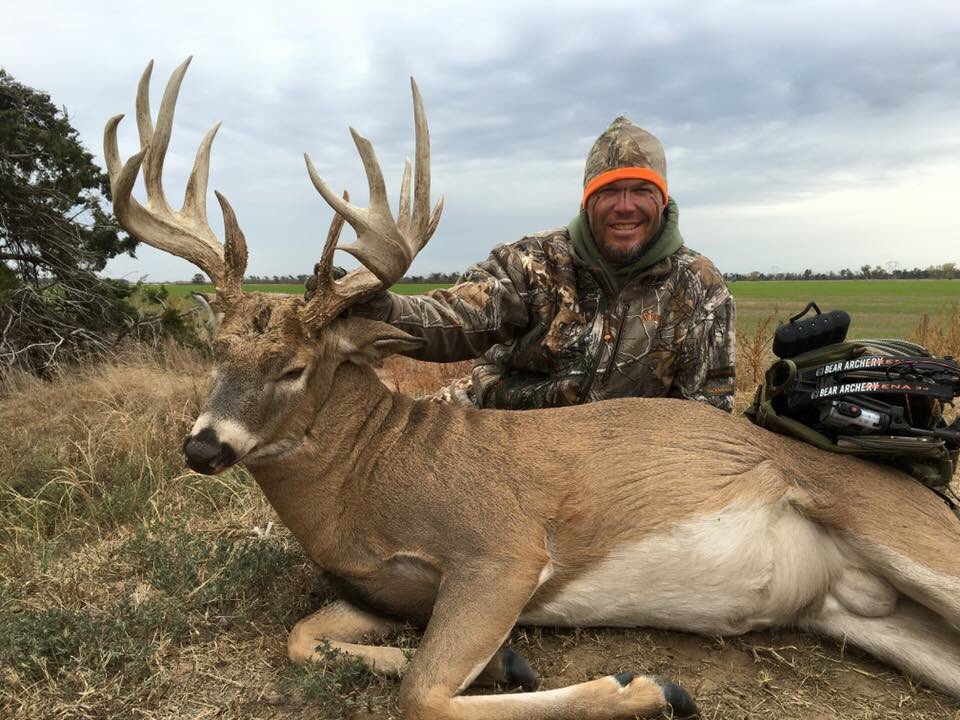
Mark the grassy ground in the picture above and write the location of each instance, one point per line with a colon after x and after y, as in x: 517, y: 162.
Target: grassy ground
x: 132, y: 588
x: 879, y: 308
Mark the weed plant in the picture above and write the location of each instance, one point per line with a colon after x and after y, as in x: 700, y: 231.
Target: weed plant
x: 339, y: 685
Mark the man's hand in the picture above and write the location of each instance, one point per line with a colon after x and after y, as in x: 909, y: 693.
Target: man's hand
x: 311, y: 284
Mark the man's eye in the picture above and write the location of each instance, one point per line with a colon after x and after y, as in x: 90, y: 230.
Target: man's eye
x: 293, y: 374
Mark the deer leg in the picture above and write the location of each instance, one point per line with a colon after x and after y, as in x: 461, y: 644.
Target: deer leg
x: 341, y: 625
x: 474, y: 612
x: 910, y: 637
x: 937, y: 588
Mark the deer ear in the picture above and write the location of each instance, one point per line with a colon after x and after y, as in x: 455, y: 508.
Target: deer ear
x: 210, y: 309
x: 368, y: 342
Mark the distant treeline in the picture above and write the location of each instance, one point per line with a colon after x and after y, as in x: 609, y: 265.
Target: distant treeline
x: 946, y: 271
x: 432, y: 278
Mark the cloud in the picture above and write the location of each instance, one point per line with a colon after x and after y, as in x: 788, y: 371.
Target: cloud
x: 804, y: 121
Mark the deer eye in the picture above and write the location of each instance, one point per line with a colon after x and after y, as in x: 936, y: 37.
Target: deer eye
x: 293, y: 374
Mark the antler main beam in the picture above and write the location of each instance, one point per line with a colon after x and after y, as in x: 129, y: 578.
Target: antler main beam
x: 384, y: 246
x: 184, y: 233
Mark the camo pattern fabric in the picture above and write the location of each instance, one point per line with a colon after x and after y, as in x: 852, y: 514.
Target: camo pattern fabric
x: 624, y: 144
x: 546, y: 335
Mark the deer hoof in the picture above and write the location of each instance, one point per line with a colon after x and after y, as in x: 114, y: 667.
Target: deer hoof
x: 517, y: 671
x: 624, y: 678
x: 679, y: 702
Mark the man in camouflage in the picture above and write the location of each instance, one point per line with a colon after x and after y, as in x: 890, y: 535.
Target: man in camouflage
x: 613, y: 305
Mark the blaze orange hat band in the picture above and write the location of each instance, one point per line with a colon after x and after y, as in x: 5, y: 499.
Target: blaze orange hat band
x: 627, y: 173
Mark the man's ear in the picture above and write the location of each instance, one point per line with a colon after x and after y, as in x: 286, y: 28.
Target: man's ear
x: 211, y: 311
x: 368, y: 342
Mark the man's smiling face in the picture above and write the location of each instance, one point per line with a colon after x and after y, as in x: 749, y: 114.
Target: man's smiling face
x: 624, y: 216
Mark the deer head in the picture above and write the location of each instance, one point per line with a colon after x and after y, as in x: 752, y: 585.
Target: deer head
x: 275, y: 356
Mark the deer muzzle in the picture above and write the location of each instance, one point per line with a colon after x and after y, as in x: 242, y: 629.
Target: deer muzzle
x: 206, y: 454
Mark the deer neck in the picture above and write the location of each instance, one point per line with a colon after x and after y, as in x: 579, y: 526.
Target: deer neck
x: 356, y: 425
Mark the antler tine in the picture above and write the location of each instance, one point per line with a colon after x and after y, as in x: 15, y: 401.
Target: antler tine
x: 185, y: 233
x: 351, y: 213
x: 384, y: 246
x: 234, y: 250
x: 111, y: 151
x: 434, y: 218
x: 144, y: 116
x: 195, y: 196
x: 324, y: 268
x: 425, y: 221
x: 333, y: 235
x: 421, y: 192
x: 159, y: 138
x: 378, y: 189
x: 403, y: 212
x: 122, y: 179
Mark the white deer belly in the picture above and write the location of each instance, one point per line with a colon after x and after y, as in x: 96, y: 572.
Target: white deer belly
x: 726, y: 573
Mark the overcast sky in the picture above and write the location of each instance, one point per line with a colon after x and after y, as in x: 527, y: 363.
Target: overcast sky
x: 803, y: 134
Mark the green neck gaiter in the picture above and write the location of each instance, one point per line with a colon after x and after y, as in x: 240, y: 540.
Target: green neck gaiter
x: 665, y: 243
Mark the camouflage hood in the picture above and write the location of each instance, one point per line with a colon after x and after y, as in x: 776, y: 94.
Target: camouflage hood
x: 665, y: 243
x: 624, y: 151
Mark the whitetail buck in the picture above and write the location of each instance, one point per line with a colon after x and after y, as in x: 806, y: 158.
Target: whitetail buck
x: 640, y: 512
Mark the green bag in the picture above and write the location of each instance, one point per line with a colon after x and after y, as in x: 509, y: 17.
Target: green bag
x: 878, y: 399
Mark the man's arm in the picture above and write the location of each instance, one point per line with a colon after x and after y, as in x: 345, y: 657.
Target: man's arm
x: 707, y: 370
x: 487, y: 306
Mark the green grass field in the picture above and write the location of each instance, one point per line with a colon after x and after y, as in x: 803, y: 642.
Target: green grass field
x: 878, y: 307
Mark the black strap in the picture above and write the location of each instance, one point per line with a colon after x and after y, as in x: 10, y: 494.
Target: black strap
x: 803, y: 312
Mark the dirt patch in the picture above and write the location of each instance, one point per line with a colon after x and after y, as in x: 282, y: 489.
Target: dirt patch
x: 777, y: 674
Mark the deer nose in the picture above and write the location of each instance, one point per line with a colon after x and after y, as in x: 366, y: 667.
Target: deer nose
x: 206, y: 454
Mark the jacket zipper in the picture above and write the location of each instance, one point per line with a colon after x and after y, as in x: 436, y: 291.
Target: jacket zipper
x: 596, y: 362
x: 616, y: 347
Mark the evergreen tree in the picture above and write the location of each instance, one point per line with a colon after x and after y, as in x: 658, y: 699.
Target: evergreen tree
x: 55, y: 234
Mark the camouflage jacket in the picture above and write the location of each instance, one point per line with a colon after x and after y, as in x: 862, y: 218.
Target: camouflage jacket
x: 545, y: 333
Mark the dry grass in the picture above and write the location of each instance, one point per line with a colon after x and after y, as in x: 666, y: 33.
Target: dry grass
x: 418, y: 378
x: 754, y: 356
x: 940, y: 334
x: 131, y: 588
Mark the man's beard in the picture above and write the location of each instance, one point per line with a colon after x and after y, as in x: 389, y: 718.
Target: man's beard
x: 621, y: 256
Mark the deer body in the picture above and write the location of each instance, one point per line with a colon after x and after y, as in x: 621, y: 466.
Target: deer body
x: 655, y: 512
x: 728, y: 529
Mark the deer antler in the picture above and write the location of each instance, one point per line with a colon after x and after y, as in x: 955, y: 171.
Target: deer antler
x: 186, y: 233
x: 384, y: 246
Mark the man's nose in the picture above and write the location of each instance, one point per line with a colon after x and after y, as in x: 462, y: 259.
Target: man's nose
x: 626, y: 201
